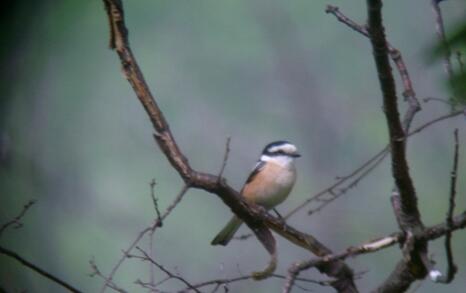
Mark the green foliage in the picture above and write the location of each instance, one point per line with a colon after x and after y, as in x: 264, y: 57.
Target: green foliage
x: 456, y: 43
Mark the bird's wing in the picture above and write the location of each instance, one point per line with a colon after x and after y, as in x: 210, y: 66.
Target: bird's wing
x: 259, y: 166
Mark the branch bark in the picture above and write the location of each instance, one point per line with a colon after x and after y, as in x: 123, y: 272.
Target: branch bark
x: 255, y: 218
x: 413, y: 266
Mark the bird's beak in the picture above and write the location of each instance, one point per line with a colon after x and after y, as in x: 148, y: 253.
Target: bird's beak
x: 296, y: 155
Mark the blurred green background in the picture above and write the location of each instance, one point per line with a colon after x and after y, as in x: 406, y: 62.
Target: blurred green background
x: 75, y: 138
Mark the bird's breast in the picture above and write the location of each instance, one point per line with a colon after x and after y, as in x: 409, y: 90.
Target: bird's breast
x: 271, y: 185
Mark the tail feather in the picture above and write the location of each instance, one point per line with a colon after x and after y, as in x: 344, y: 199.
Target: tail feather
x: 227, y: 233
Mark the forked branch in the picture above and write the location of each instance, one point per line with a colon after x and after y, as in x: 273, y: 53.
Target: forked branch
x: 255, y: 218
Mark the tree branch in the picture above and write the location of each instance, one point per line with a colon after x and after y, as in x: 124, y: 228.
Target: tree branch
x: 37, y: 269
x: 255, y: 218
x: 400, y: 171
x: 397, y: 58
x: 440, y: 30
x: 413, y: 266
x: 17, y: 220
x: 431, y: 233
x: 451, y: 267
x: 150, y: 229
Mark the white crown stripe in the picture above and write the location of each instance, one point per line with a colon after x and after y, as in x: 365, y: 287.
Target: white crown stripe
x: 287, y: 148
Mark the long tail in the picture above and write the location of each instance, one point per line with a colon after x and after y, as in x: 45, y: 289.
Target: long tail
x: 224, y: 236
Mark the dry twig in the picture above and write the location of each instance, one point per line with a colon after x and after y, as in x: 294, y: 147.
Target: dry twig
x: 17, y: 220
x: 255, y: 218
x: 451, y: 267
x: 141, y: 234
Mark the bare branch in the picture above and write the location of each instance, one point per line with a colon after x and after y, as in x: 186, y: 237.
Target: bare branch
x: 225, y: 281
x: 441, y: 118
x: 397, y: 58
x: 38, y: 270
x: 440, y: 30
x: 155, y: 202
x: 414, y: 107
x: 408, y: 216
x: 159, y: 223
x: 256, y: 219
x: 341, y: 191
x: 141, y: 234
x: 440, y: 100
x: 225, y: 158
x: 17, y: 220
x: 451, y: 267
x: 371, y: 163
x: 108, y: 282
x: 146, y: 257
x: 431, y: 233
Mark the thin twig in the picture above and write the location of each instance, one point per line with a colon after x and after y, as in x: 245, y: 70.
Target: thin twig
x: 440, y: 30
x: 151, y: 234
x: 225, y: 158
x: 395, y: 54
x: 409, y: 94
x: 110, y: 283
x: 17, y: 220
x: 430, y: 233
x: 376, y: 159
x: 146, y: 257
x: 256, y: 219
x: 451, y: 266
x: 225, y: 281
x: 340, y: 181
x: 141, y: 234
x: 438, y: 119
x: 352, y: 184
x: 37, y: 269
x: 155, y: 202
x: 429, y: 99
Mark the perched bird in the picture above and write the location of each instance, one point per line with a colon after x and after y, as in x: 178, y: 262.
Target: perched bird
x: 268, y: 185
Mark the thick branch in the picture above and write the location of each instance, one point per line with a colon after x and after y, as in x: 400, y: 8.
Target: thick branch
x: 400, y: 171
x: 430, y: 233
x: 412, y: 266
x: 440, y: 30
x: 256, y: 219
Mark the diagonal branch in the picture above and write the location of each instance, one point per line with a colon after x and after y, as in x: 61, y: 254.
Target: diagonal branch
x: 255, y: 218
x: 146, y: 257
x: 430, y: 233
x: 17, y: 220
x: 397, y: 58
x: 413, y: 107
x: 151, y: 229
x: 37, y: 269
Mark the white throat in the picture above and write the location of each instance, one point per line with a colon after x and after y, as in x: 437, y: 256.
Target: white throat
x: 281, y: 160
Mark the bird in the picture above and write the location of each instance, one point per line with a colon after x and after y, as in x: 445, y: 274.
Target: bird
x: 268, y: 185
